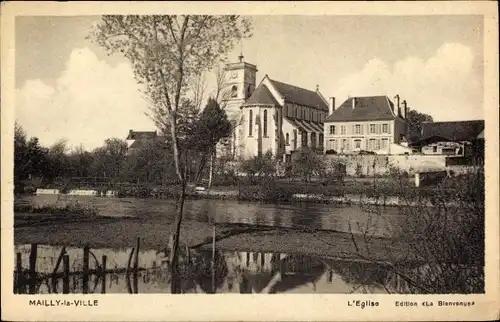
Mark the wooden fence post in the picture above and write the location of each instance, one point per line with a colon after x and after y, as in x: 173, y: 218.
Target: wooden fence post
x: 19, y: 274
x: 136, y: 267
x: 59, y: 259
x: 33, y: 255
x: 66, y: 274
x: 103, y: 271
x: 85, y: 277
x: 127, y: 273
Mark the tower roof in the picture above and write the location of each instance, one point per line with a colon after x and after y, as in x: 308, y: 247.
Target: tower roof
x: 262, y: 95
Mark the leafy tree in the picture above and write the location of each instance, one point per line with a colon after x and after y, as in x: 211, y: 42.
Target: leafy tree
x: 30, y: 158
x: 307, y: 163
x: 37, y: 156
x: 80, y: 162
x: 21, y: 159
x: 415, y: 120
x: 262, y: 166
x: 210, y: 128
x: 150, y: 163
x: 58, y: 160
x: 168, y: 53
x: 109, y: 159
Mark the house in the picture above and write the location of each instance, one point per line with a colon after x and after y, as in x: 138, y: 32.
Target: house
x: 371, y: 123
x: 456, y: 138
x: 271, y: 116
x: 137, y: 139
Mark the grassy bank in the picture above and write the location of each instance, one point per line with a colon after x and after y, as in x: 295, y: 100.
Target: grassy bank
x: 74, y: 208
x: 122, y: 233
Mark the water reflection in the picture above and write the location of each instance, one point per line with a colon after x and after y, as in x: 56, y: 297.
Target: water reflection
x: 234, y: 272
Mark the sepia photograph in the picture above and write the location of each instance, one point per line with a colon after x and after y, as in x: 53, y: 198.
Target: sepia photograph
x: 249, y: 154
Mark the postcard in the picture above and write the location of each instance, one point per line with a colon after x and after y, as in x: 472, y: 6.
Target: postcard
x: 250, y: 161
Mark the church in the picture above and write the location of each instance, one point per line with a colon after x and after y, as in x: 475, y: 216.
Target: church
x: 272, y: 115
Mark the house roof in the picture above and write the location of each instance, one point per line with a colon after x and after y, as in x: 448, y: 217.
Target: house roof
x: 298, y: 95
x: 429, y: 140
x: 453, y: 131
x: 368, y: 108
x: 141, y: 135
x: 261, y: 95
x: 305, y: 126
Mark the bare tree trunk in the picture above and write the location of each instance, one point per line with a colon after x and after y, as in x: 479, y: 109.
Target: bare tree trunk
x: 210, y: 175
x: 175, y: 285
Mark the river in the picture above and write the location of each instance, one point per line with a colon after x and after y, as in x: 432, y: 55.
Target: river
x: 343, y: 218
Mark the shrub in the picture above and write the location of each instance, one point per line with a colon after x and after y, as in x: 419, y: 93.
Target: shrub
x: 444, y: 242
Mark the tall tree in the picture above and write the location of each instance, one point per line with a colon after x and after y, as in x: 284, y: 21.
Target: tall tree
x: 167, y: 54
x: 109, y: 159
x: 21, y: 157
x: 210, y: 128
x: 415, y: 120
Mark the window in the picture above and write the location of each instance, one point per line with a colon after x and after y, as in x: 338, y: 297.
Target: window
x: 332, y: 129
x: 357, y: 129
x: 250, y: 122
x: 385, y: 128
x: 295, y: 139
x: 321, y: 139
x: 385, y: 143
x: 287, y: 139
x: 265, y: 122
x: 342, y: 129
x: 345, y: 144
x: 372, y: 128
x: 249, y: 92
x: 313, y: 140
x: 371, y: 145
x: 357, y: 144
x: 377, y: 144
x: 331, y: 145
x: 234, y: 91
x: 304, y: 139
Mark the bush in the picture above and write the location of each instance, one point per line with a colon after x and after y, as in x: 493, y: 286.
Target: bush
x: 444, y: 251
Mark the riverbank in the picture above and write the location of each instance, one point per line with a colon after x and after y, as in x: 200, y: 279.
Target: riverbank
x: 371, y: 191
x: 122, y: 233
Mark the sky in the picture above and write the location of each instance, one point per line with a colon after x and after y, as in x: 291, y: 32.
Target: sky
x: 69, y: 88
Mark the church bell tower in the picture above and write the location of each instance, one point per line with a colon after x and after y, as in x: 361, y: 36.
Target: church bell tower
x: 240, y: 82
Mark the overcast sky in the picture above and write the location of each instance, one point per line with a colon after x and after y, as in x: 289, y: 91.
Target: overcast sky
x: 66, y: 87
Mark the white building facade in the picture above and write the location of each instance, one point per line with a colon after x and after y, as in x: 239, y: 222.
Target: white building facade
x: 272, y: 116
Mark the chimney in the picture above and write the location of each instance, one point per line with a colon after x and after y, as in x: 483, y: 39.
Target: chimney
x: 396, y: 106
x: 331, y: 105
x: 404, y: 110
x: 353, y: 102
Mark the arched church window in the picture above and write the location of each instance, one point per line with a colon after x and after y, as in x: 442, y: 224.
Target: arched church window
x: 250, y: 122
x: 265, y: 122
x: 234, y: 90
